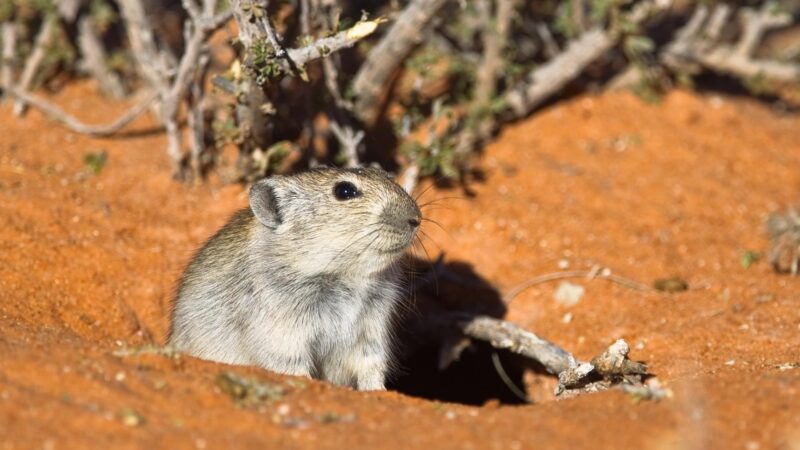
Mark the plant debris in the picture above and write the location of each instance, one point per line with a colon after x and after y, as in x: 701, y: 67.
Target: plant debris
x: 788, y: 366
x: 671, y: 285
x: 130, y: 417
x: 652, y: 390
x: 606, y: 370
x: 749, y: 258
x: 613, y: 366
x: 147, y: 350
x: 95, y: 162
x: 248, y: 391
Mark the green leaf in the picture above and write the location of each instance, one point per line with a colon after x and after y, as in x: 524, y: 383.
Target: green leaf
x: 749, y: 257
x: 95, y: 162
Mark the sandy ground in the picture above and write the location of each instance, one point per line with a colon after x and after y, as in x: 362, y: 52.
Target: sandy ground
x: 88, y: 264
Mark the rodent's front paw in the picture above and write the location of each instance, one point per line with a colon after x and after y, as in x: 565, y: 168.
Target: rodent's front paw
x: 376, y: 387
x: 372, y: 383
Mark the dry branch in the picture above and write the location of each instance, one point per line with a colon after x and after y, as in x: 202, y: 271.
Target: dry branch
x: 340, y: 124
x: 250, y: 116
x: 198, y: 28
x: 696, y: 45
x: 614, y: 361
x: 408, y: 179
x: 76, y: 125
x: 349, y: 139
x: 9, y: 36
x: 550, y: 78
x: 553, y: 76
x: 382, y: 61
x: 68, y: 9
x: 94, y: 59
x: 549, y: 44
x: 612, y: 366
x: 143, y: 42
x: 255, y: 29
x: 172, y: 81
x: 495, y: 36
x: 341, y: 40
x: 196, y: 118
x: 505, y: 335
x: 35, y: 60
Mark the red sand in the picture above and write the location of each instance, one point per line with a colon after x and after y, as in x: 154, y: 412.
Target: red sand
x: 88, y: 265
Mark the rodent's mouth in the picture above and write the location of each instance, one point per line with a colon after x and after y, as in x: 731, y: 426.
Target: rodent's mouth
x: 403, y: 241
x: 400, y: 248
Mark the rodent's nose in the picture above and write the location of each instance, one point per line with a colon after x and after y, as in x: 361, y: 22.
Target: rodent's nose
x: 414, y: 222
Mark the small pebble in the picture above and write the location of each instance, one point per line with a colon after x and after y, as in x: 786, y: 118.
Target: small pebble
x: 569, y: 294
x: 130, y: 417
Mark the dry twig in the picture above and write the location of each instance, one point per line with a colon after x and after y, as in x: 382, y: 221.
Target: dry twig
x: 495, y: 36
x: 172, y: 81
x: 612, y: 366
x: 94, y: 59
x: 546, y: 80
x: 505, y: 335
x: 381, y: 63
x: 591, y: 274
x: 349, y: 139
x: 76, y: 125
x: 254, y: 29
x: 196, y: 117
x: 696, y: 45
x: 549, y: 44
x: 409, y: 177
x: 142, y: 41
x: 35, y: 60
x: 9, y: 36
x: 341, y: 125
x: 341, y: 40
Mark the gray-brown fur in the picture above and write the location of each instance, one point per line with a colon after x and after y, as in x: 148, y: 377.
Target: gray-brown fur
x: 301, y: 282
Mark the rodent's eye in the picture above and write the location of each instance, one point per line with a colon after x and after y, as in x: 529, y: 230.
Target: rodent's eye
x: 345, y: 190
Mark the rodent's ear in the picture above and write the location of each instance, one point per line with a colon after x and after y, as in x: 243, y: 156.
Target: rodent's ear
x: 264, y: 203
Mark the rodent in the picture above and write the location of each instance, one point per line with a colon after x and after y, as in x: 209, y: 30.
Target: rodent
x: 305, y: 280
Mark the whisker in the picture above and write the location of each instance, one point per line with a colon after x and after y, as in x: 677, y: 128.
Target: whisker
x: 429, y: 238
x: 434, y: 182
x: 427, y: 255
x: 433, y: 268
x: 441, y: 199
x: 370, y: 244
x: 418, y: 196
x: 369, y: 231
x: 425, y: 219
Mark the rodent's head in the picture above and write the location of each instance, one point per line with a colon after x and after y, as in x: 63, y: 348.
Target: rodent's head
x: 337, y: 220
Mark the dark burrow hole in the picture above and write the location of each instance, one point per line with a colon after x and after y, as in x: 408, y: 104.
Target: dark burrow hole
x: 473, y: 380
x: 481, y: 373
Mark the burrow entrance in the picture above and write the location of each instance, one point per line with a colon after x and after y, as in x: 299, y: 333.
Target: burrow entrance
x: 481, y: 373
